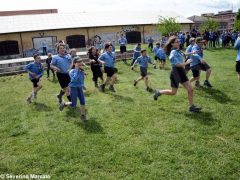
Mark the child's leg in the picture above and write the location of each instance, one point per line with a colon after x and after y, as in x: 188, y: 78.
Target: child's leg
x: 82, y: 101
x: 47, y: 72
x: 67, y: 90
x: 189, y: 89
x: 113, y: 79
x: 74, y: 95
x: 171, y: 92
x: 138, y: 79
x: 238, y: 75
x: 146, y: 81
x: 36, y: 89
x: 208, y: 73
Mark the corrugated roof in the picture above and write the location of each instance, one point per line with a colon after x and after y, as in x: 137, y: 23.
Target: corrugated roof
x: 24, y: 23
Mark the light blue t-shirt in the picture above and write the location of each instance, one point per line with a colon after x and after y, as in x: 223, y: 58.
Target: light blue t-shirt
x: 161, y: 53
x: 237, y: 47
x: 77, y: 78
x: 137, y: 52
x: 36, y: 68
x: 155, y: 50
x: 62, y: 62
x: 188, y: 50
x: 176, y: 57
x: 196, y: 58
x: 109, y: 58
x: 122, y: 41
x: 143, y: 61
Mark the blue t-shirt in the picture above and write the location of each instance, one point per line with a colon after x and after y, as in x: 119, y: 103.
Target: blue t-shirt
x: 188, y: 50
x: 237, y: 47
x: 161, y: 53
x: 155, y: 50
x: 109, y: 58
x: 122, y: 41
x: 176, y: 57
x: 137, y: 52
x: 77, y: 78
x: 196, y: 58
x: 36, y: 68
x: 143, y: 61
x: 62, y: 62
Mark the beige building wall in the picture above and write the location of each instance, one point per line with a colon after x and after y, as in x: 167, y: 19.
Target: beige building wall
x: 101, y: 34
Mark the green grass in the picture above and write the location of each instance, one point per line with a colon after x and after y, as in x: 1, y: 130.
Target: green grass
x: 128, y: 136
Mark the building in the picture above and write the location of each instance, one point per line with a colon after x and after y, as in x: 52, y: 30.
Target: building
x: 225, y: 18
x: 22, y: 35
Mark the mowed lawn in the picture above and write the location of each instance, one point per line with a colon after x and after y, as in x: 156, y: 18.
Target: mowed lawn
x: 129, y: 135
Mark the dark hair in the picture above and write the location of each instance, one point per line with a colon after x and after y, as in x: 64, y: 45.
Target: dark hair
x: 107, y: 45
x: 35, y: 56
x: 168, y: 45
x: 144, y: 50
x: 158, y: 43
x: 59, y: 45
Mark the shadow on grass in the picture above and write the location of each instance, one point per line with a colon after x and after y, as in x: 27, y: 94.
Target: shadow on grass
x: 217, y: 95
x: 73, y: 112
x: 41, y: 107
x: 120, y: 97
x: 90, y: 126
x: 205, y: 118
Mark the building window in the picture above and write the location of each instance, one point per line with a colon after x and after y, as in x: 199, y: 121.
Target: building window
x: 133, y: 37
x: 8, y: 48
x: 76, y: 41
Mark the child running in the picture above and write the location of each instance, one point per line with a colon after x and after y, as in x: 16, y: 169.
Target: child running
x: 237, y: 47
x: 61, y: 63
x: 108, y: 58
x: 48, y: 62
x: 155, y: 51
x: 188, y: 52
x: 143, y: 61
x: 162, y: 57
x: 35, y: 71
x: 198, y: 64
x: 178, y: 74
x: 76, y: 88
x: 136, y: 53
x: 93, y: 55
x: 123, y: 49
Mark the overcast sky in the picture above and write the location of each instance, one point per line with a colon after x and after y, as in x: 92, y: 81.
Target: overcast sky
x: 182, y: 7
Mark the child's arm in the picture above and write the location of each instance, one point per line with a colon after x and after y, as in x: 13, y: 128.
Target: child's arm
x: 27, y: 68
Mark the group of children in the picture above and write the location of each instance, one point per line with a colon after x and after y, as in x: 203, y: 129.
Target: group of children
x: 69, y: 69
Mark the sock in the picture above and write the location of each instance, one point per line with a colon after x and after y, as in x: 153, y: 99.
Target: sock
x: 61, y: 93
x: 69, y: 98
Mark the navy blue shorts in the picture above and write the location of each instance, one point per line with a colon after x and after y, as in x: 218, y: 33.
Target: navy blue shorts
x: 77, y: 93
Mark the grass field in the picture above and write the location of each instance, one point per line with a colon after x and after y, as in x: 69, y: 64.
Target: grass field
x: 128, y: 136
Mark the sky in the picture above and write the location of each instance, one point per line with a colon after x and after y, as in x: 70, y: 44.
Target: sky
x: 185, y: 8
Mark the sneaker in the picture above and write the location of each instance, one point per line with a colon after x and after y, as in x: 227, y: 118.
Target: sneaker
x: 96, y: 85
x: 83, y: 117
x: 197, y: 84
x: 207, y: 83
x: 29, y: 100
x: 111, y: 88
x: 156, y: 94
x: 102, y: 87
x: 59, y: 98
x: 148, y: 89
x: 61, y: 106
x: 134, y: 82
x: 194, y: 108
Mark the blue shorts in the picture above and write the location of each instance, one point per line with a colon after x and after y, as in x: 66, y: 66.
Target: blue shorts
x: 77, y: 92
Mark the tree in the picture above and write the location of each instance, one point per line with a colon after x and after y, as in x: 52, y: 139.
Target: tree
x: 168, y: 25
x: 237, y: 21
x: 210, y: 24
